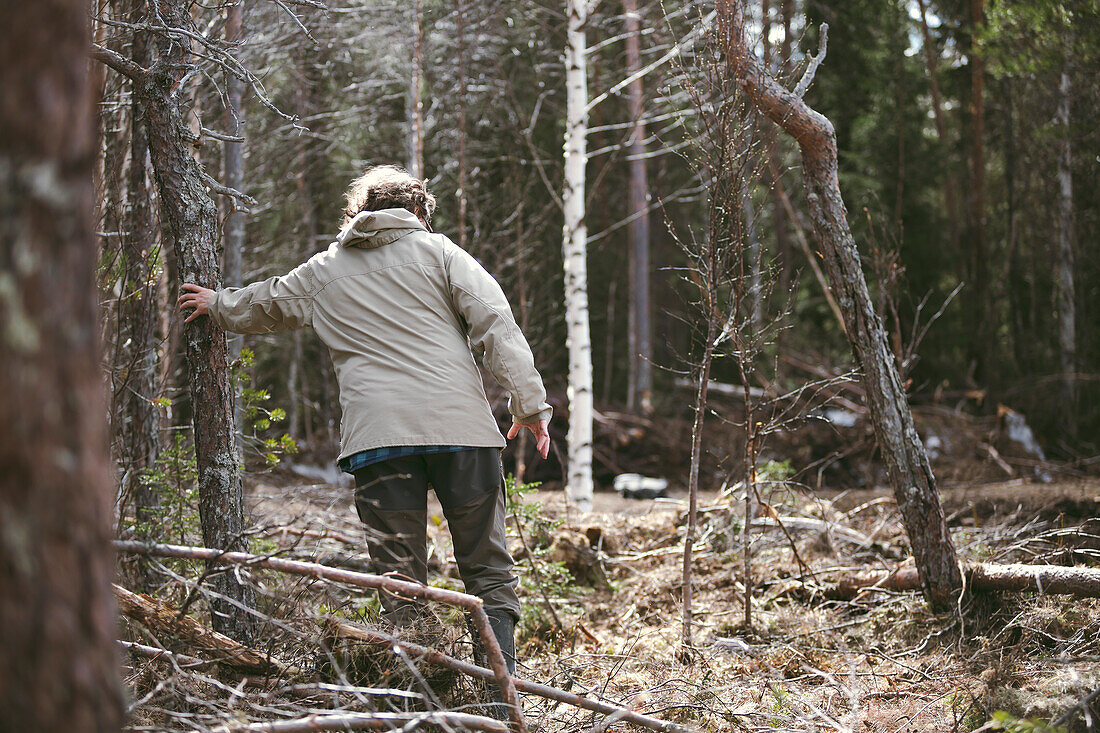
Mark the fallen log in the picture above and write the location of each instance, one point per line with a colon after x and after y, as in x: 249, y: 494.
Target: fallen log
x: 369, y: 721
x: 168, y: 622
x: 985, y: 578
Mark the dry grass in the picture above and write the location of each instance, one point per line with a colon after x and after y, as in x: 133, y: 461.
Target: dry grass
x: 879, y: 663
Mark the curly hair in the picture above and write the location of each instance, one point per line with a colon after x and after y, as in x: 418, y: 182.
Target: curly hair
x: 388, y: 187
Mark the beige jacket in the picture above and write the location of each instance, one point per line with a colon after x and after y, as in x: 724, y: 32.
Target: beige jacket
x: 402, y: 312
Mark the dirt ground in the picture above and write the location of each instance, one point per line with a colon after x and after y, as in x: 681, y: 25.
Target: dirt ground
x: 881, y: 662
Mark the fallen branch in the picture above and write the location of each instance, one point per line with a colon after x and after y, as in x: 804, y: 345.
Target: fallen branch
x: 1042, y: 579
x: 431, y: 656
x: 152, y: 652
x: 472, y: 604
x: 368, y: 721
x: 168, y: 621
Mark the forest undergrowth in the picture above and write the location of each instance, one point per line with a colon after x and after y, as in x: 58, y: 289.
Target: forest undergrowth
x: 602, y: 618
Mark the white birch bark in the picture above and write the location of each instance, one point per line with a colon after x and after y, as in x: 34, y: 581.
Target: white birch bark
x: 578, y: 488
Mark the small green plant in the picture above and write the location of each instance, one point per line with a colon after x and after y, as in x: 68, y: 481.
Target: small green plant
x: 774, y: 473
x: 547, y: 585
x: 259, y: 418
x: 1007, y: 721
x: 173, y: 478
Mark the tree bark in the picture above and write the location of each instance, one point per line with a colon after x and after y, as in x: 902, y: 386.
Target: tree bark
x: 578, y: 486
x: 416, y: 95
x: 136, y: 381
x: 192, y: 219
x: 1066, y: 287
x: 233, y: 170
x: 463, y: 194
x: 59, y: 664
x: 639, y: 396
x: 906, y: 463
x: 194, y: 638
x: 941, y: 127
x: 981, y: 343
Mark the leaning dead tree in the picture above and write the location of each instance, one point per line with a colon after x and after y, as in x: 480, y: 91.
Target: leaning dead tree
x: 902, y: 452
x: 192, y: 219
x: 58, y: 666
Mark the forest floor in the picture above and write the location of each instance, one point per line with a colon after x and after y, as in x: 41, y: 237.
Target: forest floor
x: 612, y: 626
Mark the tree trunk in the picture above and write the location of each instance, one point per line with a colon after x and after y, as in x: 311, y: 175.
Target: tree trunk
x: 941, y: 127
x: 640, y: 394
x: 981, y: 343
x: 59, y: 665
x: 192, y: 218
x: 1066, y: 288
x: 416, y: 95
x: 902, y: 452
x: 693, y: 478
x: 233, y: 171
x: 136, y: 384
x: 463, y: 194
x: 578, y: 486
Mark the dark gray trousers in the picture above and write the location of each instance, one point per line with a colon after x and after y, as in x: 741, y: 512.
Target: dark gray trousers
x: 392, y: 500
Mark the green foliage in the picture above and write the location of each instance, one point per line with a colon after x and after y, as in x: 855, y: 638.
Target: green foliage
x: 1006, y: 721
x: 174, y: 479
x: 775, y: 473
x: 542, y: 581
x: 259, y: 418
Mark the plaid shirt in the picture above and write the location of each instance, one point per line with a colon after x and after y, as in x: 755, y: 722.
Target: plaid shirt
x: 354, y: 462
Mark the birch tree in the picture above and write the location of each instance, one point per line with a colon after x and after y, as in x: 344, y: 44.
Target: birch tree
x: 578, y: 488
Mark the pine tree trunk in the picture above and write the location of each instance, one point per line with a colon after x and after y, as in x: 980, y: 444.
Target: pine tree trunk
x: 641, y: 322
x: 578, y: 486
x: 192, y: 218
x: 233, y: 171
x: 58, y: 664
x: 136, y: 371
x: 902, y: 451
x: 463, y: 194
x: 1066, y: 287
x: 980, y: 343
x: 941, y: 127
x: 416, y: 95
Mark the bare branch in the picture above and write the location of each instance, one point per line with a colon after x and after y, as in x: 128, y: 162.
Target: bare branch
x: 119, y: 63
x: 815, y: 61
x: 219, y: 188
x: 368, y: 721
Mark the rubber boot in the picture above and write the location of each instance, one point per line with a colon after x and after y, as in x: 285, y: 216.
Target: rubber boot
x: 503, y: 624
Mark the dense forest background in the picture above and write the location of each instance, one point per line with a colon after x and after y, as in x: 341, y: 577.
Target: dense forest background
x: 967, y: 138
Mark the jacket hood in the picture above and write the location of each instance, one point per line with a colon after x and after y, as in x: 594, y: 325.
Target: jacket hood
x: 370, y: 229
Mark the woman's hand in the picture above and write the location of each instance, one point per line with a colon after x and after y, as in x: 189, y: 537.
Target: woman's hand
x: 198, y: 298
x: 538, y: 429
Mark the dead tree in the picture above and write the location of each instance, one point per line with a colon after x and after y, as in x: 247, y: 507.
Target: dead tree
x: 906, y: 463
x: 192, y: 219
x: 135, y: 382
x: 58, y: 662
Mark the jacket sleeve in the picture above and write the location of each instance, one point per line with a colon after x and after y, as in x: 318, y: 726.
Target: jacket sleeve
x: 494, y: 335
x: 275, y: 304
